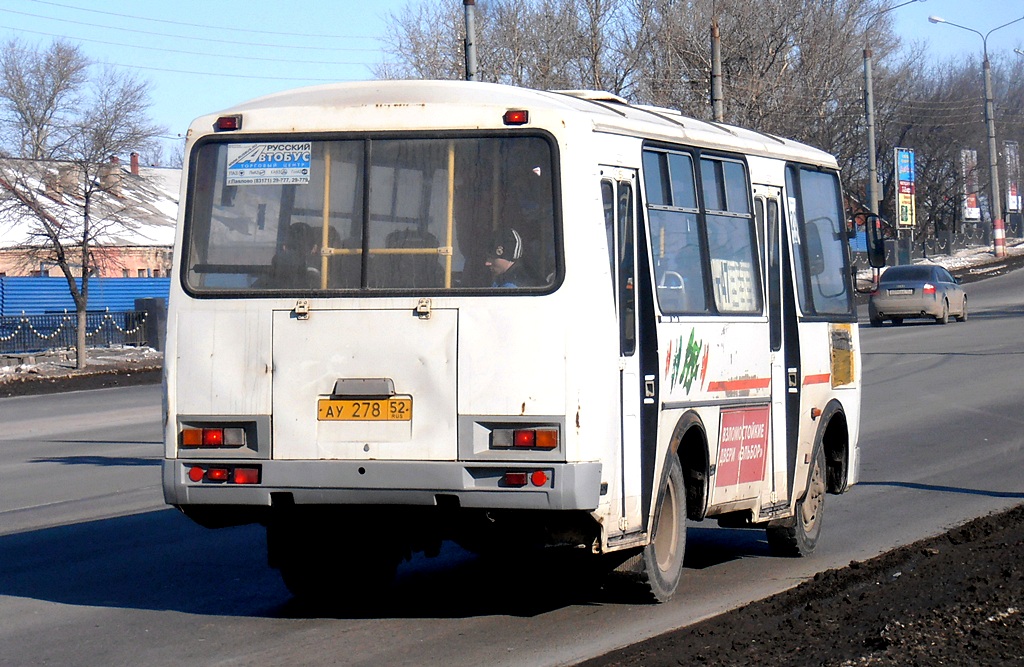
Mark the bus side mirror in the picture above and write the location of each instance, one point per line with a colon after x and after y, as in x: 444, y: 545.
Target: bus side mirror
x: 875, y: 241
x: 815, y: 252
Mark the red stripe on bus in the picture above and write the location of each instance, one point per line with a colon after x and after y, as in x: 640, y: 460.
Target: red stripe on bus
x: 739, y: 385
x: 823, y: 378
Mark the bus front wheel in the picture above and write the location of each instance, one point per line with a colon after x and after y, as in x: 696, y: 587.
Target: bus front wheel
x: 662, y: 558
x: 799, y: 535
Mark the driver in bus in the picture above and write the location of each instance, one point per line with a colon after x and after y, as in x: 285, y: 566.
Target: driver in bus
x: 505, y: 260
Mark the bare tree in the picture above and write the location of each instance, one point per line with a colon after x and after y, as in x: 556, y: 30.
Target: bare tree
x: 792, y: 68
x: 544, y: 44
x: 39, y: 92
x: 68, y: 204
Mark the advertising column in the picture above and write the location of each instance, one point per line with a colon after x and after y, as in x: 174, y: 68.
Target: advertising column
x: 1011, y: 155
x: 906, y: 209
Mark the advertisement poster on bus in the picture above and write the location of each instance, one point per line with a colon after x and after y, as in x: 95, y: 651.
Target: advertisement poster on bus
x: 743, y: 446
x: 905, y: 203
x: 969, y: 171
x: 271, y: 163
x: 1011, y: 154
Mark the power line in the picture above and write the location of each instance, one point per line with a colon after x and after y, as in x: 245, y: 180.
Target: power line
x: 179, y: 37
x: 190, y: 53
x: 198, y: 25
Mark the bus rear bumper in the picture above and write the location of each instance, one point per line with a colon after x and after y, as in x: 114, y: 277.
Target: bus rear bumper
x: 548, y: 486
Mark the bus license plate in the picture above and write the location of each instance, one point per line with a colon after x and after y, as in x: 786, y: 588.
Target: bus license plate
x: 387, y: 409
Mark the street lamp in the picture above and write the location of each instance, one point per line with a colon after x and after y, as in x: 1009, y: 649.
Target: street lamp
x: 998, y: 231
x: 869, y: 109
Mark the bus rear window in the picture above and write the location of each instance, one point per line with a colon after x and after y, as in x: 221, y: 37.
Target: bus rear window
x: 371, y: 215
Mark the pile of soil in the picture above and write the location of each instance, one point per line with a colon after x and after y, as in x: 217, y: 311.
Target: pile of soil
x: 123, y: 374
x: 955, y: 599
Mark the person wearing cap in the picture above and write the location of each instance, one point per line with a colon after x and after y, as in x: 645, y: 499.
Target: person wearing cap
x: 503, y: 260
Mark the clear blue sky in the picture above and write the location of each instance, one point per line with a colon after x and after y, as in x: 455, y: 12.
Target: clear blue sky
x: 204, y: 55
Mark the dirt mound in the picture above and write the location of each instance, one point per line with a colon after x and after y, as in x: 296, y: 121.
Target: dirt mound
x: 955, y: 599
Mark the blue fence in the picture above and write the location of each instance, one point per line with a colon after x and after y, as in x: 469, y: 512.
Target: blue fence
x: 24, y: 334
x: 36, y: 296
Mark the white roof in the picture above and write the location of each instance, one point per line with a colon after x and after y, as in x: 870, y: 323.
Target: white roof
x: 149, y: 202
x: 376, y: 105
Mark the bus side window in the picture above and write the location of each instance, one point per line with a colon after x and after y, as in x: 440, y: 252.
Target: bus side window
x: 675, y: 235
x: 608, y: 202
x: 731, y: 236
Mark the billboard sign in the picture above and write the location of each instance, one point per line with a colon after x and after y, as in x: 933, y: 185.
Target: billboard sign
x: 1012, y: 155
x: 906, y: 211
x: 969, y: 171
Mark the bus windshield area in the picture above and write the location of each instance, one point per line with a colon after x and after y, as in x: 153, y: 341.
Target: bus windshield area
x: 371, y: 214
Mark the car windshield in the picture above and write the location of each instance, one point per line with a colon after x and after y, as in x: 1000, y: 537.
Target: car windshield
x: 906, y: 273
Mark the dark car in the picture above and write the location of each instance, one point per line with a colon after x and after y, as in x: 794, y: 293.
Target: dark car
x: 916, y: 290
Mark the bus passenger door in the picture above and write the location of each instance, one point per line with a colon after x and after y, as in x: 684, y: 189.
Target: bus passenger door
x: 618, y: 193
x: 784, y: 342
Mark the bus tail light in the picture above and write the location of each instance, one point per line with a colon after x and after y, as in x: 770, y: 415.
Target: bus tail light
x: 217, y: 474
x: 516, y: 117
x: 514, y: 479
x: 213, y: 437
x: 525, y: 438
x: 228, y: 123
x: 520, y: 478
x: 226, y: 474
x: 246, y: 476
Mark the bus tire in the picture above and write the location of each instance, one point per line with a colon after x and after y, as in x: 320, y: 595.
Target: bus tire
x: 662, y: 559
x: 798, y: 536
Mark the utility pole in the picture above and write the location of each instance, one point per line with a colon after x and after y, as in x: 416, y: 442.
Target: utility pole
x: 996, y: 204
x: 471, y: 73
x: 869, y: 110
x: 716, y: 71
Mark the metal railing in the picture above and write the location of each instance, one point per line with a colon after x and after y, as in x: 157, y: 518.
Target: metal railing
x: 24, y: 334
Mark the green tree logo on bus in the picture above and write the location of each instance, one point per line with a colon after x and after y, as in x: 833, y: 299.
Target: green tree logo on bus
x: 684, y: 363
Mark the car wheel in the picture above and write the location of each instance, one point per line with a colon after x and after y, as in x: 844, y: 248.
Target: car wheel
x: 944, y: 318
x: 876, y: 321
x: 962, y: 317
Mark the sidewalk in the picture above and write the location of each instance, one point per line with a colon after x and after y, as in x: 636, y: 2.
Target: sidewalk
x: 55, y: 371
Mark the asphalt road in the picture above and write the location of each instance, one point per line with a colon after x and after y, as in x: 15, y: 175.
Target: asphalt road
x: 95, y: 571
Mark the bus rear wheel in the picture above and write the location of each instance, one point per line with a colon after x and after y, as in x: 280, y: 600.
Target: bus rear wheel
x: 662, y: 559
x: 799, y: 535
x: 320, y: 568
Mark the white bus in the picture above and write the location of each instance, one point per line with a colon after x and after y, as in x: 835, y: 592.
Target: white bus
x: 413, y: 311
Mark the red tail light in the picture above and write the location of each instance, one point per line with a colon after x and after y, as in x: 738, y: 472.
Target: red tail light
x: 228, y: 123
x: 212, y: 437
x: 514, y: 479
x: 217, y: 474
x: 516, y: 117
x: 929, y: 289
x: 246, y: 476
x: 231, y: 475
x: 524, y: 438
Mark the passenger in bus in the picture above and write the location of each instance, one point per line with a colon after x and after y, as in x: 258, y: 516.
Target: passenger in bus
x: 506, y: 263
x: 296, y: 263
